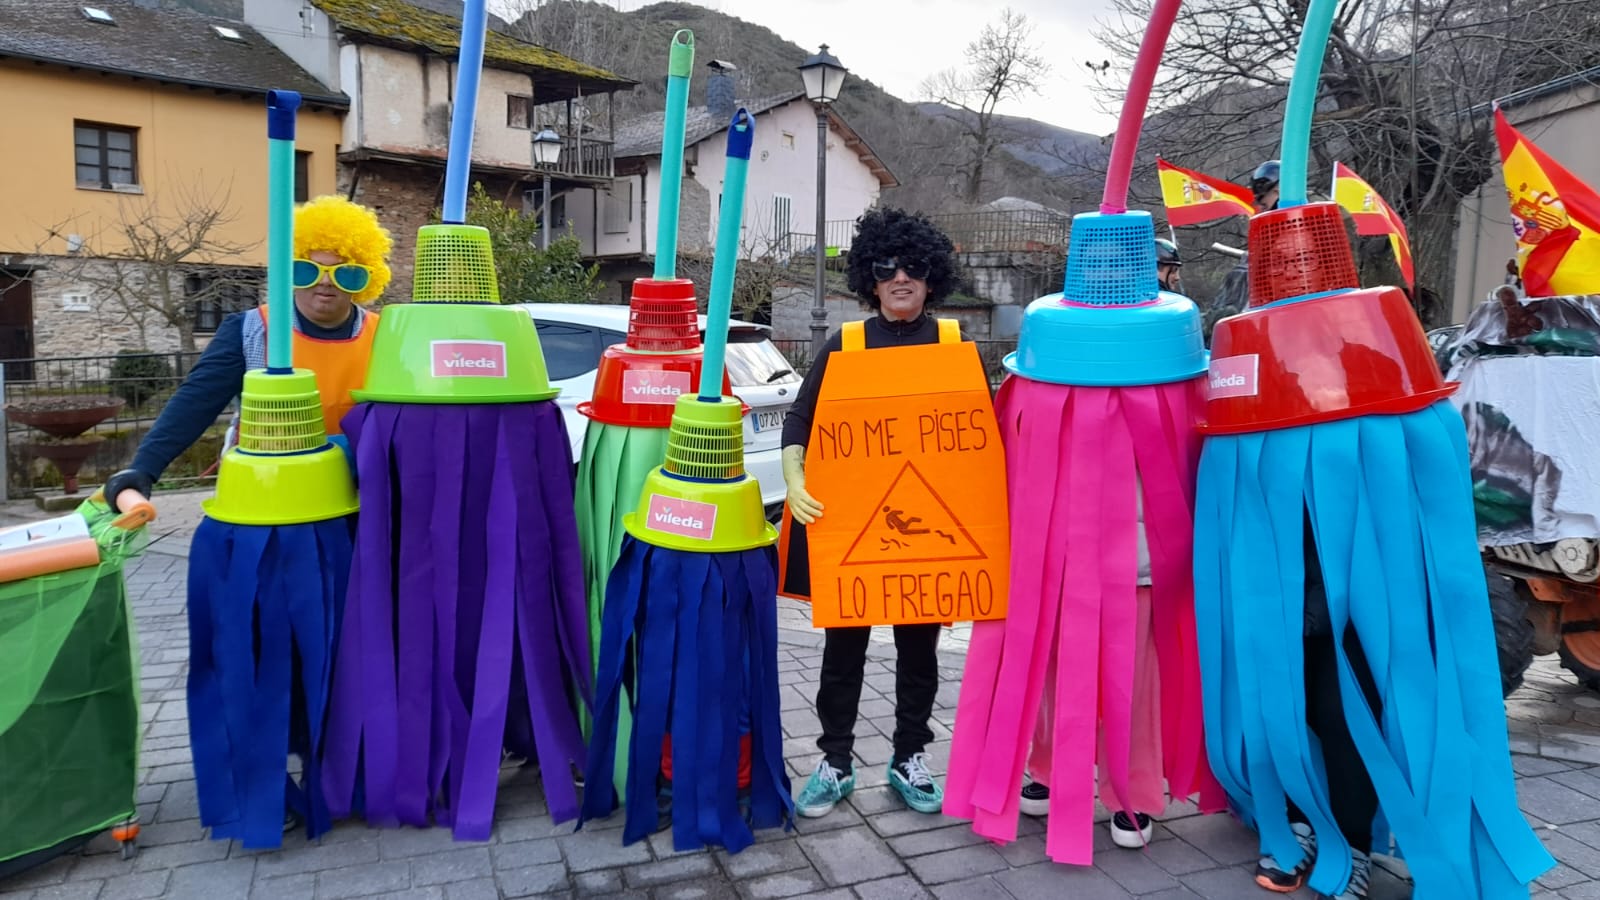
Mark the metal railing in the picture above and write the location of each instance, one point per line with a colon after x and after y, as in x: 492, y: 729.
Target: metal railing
x: 1016, y: 230
x: 987, y: 231
x: 143, y: 382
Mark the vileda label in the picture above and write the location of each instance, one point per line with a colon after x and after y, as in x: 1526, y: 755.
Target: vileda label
x: 684, y: 518
x: 656, y: 387
x: 469, y: 359
x: 1233, y: 376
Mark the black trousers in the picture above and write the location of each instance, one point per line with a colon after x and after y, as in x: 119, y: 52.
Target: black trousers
x: 916, y: 681
x: 1354, y: 800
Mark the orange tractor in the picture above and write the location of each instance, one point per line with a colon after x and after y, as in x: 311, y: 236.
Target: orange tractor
x: 1529, y: 370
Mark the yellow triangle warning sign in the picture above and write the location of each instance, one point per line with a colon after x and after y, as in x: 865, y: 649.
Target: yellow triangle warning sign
x: 911, y: 524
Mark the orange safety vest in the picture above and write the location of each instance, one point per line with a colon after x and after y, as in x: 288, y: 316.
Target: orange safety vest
x: 340, y: 366
x: 852, y: 338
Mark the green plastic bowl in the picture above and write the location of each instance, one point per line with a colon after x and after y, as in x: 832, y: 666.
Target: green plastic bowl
x: 456, y: 353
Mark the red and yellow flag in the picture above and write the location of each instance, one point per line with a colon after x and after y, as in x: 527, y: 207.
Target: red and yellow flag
x: 1195, y: 199
x: 1555, y: 216
x: 1373, y: 216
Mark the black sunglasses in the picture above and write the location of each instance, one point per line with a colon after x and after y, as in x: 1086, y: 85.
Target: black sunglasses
x: 884, y: 269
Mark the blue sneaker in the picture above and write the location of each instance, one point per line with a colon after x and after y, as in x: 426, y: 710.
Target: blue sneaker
x: 911, y: 779
x: 823, y: 790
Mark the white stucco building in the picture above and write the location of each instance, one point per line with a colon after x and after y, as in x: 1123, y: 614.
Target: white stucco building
x: 618, y: 223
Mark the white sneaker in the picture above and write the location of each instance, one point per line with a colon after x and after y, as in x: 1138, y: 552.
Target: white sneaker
x: 1035, y: 799
x: 1134, y: 833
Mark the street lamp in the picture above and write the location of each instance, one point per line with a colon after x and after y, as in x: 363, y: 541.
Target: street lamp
x: 823, y: 76
x: 546, y: 151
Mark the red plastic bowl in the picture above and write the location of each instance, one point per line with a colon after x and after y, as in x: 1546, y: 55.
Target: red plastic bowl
x: 1355, y: 353
x: 641, y: 389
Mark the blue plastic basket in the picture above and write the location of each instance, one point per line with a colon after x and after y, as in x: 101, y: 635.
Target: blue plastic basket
x: 1112, y: 325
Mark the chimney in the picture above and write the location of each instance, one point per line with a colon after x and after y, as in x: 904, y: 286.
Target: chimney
x: 721, y: 94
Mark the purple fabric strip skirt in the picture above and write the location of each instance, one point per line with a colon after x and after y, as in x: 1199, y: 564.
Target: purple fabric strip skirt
x: 465, y: 626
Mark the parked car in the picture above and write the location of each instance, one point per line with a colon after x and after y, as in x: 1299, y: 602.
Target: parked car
x: 574, y: 335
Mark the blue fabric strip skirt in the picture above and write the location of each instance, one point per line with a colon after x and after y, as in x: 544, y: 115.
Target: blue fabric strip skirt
x: 1390, y: 503
x: 264, y: 609
x: 693, y: 637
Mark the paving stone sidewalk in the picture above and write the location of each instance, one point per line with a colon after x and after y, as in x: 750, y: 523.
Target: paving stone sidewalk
x: 872, y: 847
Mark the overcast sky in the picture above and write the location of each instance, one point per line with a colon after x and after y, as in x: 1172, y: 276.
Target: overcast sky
x: 898, y: 43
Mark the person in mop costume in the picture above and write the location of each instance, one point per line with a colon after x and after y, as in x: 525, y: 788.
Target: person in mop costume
x: 689, y: 640
x: 1348, y: 659
x: 270, y: 562
x: 340, y: 266
x: 1091, y: 684
x: 636, y: 386
x: 464, y: 634
x: 901, y: 265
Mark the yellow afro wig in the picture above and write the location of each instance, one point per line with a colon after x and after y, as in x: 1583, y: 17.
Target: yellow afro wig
x: 335, y: 225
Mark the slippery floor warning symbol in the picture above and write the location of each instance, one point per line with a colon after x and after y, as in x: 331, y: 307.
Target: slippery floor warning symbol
x: 911, y: 524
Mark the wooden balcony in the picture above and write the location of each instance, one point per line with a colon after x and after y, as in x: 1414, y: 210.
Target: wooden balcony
x: 584, y: 157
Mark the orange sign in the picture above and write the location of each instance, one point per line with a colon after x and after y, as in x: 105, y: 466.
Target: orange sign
x: 905, y: 457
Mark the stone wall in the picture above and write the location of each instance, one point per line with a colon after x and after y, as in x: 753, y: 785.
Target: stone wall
x: 404, y: 197
x: 106, y: 326
x: 695, y: 213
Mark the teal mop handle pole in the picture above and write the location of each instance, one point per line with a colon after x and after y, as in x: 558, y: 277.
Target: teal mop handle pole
x: 1295, y: 153
x: 672, y: 140
x: 281, y: 106
x: 725, y: 265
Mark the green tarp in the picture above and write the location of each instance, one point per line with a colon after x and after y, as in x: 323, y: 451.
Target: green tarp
x: 69, y: 699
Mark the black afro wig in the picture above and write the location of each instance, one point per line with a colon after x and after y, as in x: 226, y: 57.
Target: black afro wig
x: 896, y: 234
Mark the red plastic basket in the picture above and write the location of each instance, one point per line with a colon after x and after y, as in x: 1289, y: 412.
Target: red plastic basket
x: 1298, y: 252
x: 662, y: 316
x: 1354, y: 353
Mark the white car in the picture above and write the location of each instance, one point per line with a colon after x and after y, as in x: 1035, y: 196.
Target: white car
x: 574, y: 335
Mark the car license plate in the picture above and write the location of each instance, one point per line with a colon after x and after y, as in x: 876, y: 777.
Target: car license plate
x: 766, y: 421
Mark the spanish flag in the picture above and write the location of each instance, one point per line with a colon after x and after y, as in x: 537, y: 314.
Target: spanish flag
x: 1195, y: 199
x: 1373, y: 216
x: 1555, y: 216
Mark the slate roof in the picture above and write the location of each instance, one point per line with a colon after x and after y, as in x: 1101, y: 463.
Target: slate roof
x: 642, y: 136
x: 427, y: 24
x: 172, y: 46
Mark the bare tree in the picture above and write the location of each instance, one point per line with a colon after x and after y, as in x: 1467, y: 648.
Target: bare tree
x: 158, y: 265
x: 1403, y: 97
x: 769, y: 256
x: 1003, y: 64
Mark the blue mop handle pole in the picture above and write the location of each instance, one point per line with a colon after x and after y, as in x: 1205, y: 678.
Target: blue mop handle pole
x: 458, y: 165
x: 672, y: 140
x: 1295, y: 153
x: 281, y: 106
x: 719, y: 306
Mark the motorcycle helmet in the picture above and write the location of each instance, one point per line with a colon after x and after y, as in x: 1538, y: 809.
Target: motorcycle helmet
x: 1264, y: 179
x: 1167, y: 253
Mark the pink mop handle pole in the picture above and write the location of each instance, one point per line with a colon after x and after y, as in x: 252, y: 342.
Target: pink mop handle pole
x: 1120, y: 173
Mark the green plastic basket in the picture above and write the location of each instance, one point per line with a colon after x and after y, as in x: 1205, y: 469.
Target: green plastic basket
x: 454, y: 264
x: 280, y: 413
x: 706, y: 440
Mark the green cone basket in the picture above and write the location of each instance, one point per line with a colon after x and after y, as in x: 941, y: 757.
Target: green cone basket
x: 701, y: 499
x: 454, y: 343
x: 284, y: 471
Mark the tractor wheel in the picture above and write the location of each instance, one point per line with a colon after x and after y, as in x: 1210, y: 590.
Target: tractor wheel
x: 1573, y: 661
x: 1513, y: 633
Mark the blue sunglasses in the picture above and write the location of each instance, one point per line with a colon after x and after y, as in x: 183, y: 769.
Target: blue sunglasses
x: 348, y: 277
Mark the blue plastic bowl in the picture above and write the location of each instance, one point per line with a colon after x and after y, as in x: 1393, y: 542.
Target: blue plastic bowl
x: 1110, y: 346
x: 1112, y: 325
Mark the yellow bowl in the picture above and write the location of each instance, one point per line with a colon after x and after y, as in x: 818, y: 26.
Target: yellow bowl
x: 283, y: 489
x: 699, y: 516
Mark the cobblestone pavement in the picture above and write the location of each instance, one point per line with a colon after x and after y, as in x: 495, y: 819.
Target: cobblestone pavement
x: 871, y: 847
